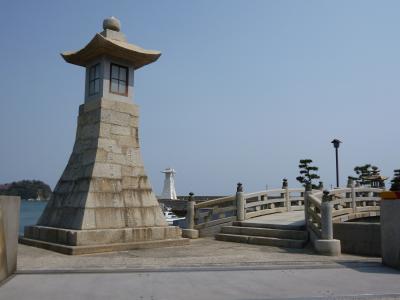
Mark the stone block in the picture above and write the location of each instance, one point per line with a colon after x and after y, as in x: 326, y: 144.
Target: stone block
x: 106, y: 170
x: 89, y: 117
x: 131, y: 198
x: 129, y: 108
x: 190, y: 233
x: 88, y: 131
x: 109, y: 145
x: 328, y: 247
x: 89, y: 220
x: 125, y: 140
x: 134, y: 123
x: 120, y: 130
x: 105, y: 185
x: 105, y: 130
x: 109, y: 217
x: 115, y: 117
x: 136, y: 182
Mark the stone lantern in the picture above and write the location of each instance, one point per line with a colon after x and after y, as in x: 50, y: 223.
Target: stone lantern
x: 104, y: 200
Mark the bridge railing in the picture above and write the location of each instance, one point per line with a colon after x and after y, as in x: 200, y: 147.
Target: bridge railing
x: 344, y: 204
x: 273, y: 201
x: 214, y: 212
x: 339, y: 205
x: 243, y: 206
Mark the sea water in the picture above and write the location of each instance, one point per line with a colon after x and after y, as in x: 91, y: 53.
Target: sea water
x: 30, y: 212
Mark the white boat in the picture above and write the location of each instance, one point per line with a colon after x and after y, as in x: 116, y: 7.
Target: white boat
x: 171, y: 217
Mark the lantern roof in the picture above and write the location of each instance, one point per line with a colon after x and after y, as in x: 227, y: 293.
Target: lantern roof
x: 113, y: 43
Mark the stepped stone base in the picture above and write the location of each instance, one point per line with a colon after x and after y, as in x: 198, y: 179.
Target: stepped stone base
x: 90, y: 249
x: 74, y: 242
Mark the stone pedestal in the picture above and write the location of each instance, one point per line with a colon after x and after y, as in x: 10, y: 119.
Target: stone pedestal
x: 103, y: 200
x: 328, y: 247
x: 390, y: 229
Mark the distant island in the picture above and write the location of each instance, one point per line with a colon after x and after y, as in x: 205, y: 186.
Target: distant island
x: 27, y: 190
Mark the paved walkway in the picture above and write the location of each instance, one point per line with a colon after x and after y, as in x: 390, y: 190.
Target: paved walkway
x: 204, y: 269
x: 362, y: 282
x: 199, y: 253
x: 292, y: 218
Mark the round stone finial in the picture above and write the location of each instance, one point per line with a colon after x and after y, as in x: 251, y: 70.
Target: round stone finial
x: 112, y: 23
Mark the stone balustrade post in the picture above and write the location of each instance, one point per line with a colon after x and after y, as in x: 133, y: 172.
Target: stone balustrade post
x: 189, y: 231
x: 327, y: 245
x: 286, y: 194
x: 353, y: 198
x: 240, y: 203
x: 307, y: 192
x: 190, y: 212
x: 326, y: 217
x: 350, y: 183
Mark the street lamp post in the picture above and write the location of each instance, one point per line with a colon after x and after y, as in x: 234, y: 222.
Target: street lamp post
x: 336, y: 144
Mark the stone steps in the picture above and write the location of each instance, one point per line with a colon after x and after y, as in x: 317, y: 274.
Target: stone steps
x: 266, y: 232
x: 272, y: 226
x: 285, y: 236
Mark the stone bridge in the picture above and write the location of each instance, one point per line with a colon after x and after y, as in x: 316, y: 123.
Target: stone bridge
x: 283, y: 217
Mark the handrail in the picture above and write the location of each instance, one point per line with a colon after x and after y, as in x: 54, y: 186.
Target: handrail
x: 212, y: 202
x: 345, y: 203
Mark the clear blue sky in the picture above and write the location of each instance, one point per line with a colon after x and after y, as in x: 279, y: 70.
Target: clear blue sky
x: 243, y: 90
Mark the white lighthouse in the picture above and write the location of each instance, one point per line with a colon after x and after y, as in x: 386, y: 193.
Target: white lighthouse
x: 169, y: 184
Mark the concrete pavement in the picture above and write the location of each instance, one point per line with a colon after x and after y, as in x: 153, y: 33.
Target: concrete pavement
x: 205, y: 269
x: 363, y: 281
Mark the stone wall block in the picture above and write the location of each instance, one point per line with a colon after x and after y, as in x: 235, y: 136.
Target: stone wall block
x: 129, y: 182
x: 109, y: 145
x: 172, y: 232
x: 105, y: 130
x: 125, y: 140
x: 75, y: 199
x: 92, y: 105
x: 131, y: 198
x: 129, y: 108
x: 127, y: 170
x: 147, y: 215
x: 105, y: 170
x: 104, y: 185
x: 83, y: 145
x: 88, y: 157
x: 115, y: 117
x: 120, y: 130
x: 134, y: 123
x: 109, y: 218
x: 147, y: 198
x: 110, y: 200
x: 83, y: 185
x: 88, y: 131
x: 65, y: 186
x: 89, y: 220
x: 91, y: 117
x: 157, y: 233
x: 119, y: 159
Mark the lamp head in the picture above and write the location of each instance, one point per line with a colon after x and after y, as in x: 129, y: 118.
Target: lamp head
x: 336, y: 143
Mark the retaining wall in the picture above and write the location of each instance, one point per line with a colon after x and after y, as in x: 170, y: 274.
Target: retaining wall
x: 359, y: 237
x: 9, y: 223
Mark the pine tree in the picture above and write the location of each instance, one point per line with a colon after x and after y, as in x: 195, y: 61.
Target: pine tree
x: 365, y: 173
x: 306, y: 176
